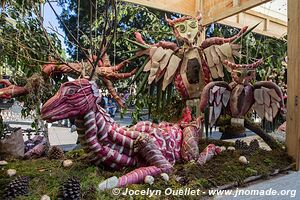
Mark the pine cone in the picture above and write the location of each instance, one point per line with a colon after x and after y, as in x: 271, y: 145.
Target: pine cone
x: 70, y: 190
x: 241, y: 145
x: 254, y: 145
x: 90, y: 194
x: 18, y: 186
x: 55, y: 152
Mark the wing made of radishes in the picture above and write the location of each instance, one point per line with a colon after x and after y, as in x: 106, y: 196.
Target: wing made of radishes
x: 215, y: 96
x: 268, y: 100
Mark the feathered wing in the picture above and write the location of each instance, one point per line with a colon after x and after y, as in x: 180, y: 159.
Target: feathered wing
x: 217, y: 54
x: 218, y: 49
x: 163, y: 63
x: 268, y: 100
x: 215, y: 96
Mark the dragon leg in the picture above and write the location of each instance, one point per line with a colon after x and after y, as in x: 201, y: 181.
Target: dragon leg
x: 189, y: 146
x: 158, y: 164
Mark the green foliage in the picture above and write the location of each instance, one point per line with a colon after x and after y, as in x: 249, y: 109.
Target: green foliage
x: 130, y: 17
x: 25, y: 46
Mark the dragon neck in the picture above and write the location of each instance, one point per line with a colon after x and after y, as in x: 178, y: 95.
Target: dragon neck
x: 93, y: 125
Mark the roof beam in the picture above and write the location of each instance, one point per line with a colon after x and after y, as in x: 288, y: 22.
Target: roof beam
x: 228, y: 12
x: 212, y: 10
x: 216, y: 10
x: 186, y: 7
x: 268, y: 26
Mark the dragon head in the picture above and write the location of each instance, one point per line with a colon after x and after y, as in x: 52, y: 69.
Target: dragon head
x: 74, y: 98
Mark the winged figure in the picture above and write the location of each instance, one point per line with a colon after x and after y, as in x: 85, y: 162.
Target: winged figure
x: 191, y: 65
x: 239, y: 96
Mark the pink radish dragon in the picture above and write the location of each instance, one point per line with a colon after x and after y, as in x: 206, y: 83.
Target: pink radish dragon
x: 153, y: 148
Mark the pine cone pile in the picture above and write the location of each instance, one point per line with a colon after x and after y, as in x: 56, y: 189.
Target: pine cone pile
x: 245, y: 148
x: 90, y: 193
x: 254, y: 145
x: 56, y: 153
x: 241, y: 145
x: 70, y: 190
x: 17, y: 187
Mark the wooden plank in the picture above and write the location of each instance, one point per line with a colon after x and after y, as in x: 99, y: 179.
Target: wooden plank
x: 212, y: 10
x: 186, y: 7
x: 293, y: 103
x: 269, y: 26
x: 215, y: 10
x: 219, y: 9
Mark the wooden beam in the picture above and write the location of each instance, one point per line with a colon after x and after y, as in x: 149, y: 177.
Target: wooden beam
x: 186, y: 7
x: 269, y: 26
x: 212, y: 10
x: 293, y: 103
x: 215, y: 10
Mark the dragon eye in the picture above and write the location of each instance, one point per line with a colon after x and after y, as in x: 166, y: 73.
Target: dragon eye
x: 239, y: 74
x: 193, y: 24
x: 249, y: 73
x: 182, y: 28
x: 70, y: 91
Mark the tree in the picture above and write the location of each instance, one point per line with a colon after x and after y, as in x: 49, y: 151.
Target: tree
x: 25, y: 47
x: 90, y: 17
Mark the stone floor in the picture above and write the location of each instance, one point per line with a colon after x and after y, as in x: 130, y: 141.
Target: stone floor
x: 284, y: 184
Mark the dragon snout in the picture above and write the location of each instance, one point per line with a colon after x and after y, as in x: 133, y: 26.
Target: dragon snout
x: 51, y: 109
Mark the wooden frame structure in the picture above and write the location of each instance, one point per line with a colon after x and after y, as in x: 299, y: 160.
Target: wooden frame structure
x: 216, y: 10
x: 293, y: 104
x: 237, y: 16
x: 269, y: 26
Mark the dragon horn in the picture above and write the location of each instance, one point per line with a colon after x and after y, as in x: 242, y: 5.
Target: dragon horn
x: 199, y: 16
x: 249, y: 66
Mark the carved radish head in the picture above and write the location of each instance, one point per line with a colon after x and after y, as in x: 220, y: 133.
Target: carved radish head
x: 74, y: 98
x: 186, y: 28
x: 243, y: 74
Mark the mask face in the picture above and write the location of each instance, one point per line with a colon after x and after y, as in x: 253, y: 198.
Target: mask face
x: 187, y: 29
x: 243, y: 75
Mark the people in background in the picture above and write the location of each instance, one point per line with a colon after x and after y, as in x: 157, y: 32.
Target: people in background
x: 111, y: 107
x: 126, y: 95
x: 104, y: 101
x: 122, y: 98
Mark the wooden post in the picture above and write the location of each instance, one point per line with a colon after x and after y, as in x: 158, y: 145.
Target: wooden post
x: 293, y: 103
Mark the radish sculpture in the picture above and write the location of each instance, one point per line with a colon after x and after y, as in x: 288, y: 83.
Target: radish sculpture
x: 152, y: 148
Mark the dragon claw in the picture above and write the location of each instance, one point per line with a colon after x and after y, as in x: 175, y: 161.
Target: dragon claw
x: 109, y: 183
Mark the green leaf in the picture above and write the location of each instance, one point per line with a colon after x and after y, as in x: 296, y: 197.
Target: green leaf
x: 139, y: 72
x: 237, y: 40
x: 142, y: 84
x: 137, y: 44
